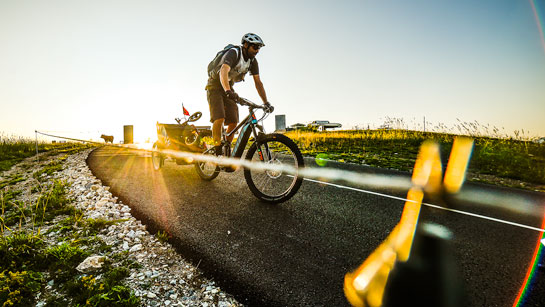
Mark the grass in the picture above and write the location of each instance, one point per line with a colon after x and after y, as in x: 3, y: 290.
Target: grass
x: 506, y: 157
x: 30, y: 265
x: 48, y: 170
x: 163, y: 236
x: 11, y: 180
x: 27, y: 259
x: 14, y: 149
x: 96, y: 225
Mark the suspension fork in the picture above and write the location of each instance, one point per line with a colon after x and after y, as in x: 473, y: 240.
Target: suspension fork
x: 267, y: 154
x: 264, y: 155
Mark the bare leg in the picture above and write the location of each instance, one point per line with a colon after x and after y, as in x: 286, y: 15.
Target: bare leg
x: 216, y: 131
x: 230, y: 128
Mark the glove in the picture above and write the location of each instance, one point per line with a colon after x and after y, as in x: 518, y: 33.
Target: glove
x: 231, y: 95
x: 268, y: 107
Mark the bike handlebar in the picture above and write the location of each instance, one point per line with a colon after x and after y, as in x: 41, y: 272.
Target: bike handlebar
x: 248, y: 103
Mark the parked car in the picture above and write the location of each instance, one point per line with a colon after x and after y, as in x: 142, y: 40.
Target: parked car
x: 540, y: 140
x: 322, y: 125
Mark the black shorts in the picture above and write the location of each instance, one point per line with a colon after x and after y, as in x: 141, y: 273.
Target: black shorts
x: 221, y: 106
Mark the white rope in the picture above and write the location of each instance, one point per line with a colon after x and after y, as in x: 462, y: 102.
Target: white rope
x: 393, y: 182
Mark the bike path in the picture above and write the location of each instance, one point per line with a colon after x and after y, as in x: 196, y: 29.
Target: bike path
x: 297, y: 253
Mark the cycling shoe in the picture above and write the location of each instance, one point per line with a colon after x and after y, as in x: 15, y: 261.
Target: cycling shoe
x: 228, y: 168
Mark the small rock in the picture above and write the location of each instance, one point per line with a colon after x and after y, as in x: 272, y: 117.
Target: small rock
x: 91, y: 263
x: 135, y: 248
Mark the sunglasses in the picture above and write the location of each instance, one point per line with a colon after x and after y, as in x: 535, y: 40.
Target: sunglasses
x: 256, y: 47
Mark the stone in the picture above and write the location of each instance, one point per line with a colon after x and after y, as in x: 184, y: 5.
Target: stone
x: 91, y: 263
x: 135, y: 248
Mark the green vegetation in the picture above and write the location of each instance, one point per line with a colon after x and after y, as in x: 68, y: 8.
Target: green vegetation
x: 514, y: 158
x: 162, y: 236
x: 11, y: 181
x: 27, y: 260
x: 96, y: 225
x: 14, y: 149
x: 48, y: 170
x: 26, y: 284
x: 31, y: 266
x: 51, y: 203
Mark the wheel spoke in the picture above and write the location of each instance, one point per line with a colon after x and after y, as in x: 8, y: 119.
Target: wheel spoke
x: 274, y: 183
x: 207, y: 170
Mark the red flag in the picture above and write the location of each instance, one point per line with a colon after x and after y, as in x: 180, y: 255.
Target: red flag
x: 185, y: 111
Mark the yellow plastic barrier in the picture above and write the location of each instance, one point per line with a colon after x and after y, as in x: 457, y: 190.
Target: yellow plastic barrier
x: 365, y: 286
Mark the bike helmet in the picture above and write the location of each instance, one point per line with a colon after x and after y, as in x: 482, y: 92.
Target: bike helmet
x: 252, y: 39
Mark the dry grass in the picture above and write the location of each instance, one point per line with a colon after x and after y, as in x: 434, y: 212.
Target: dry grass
x: 512, y: 157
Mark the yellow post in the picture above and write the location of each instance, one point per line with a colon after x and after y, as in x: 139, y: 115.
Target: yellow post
x: 455, y: 173
x: 365, y: 286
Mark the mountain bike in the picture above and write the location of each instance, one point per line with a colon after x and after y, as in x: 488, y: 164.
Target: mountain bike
x: 277, y: 150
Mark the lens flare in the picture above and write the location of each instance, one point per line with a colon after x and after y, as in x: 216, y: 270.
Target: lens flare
x: 532, y: 268
x: 536, y: 11
x: 321, y: 159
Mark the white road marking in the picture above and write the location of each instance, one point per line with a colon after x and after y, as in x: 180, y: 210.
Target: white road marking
x: 430, y: 205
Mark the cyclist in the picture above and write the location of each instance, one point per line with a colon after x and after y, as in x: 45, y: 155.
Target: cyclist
x: 234, y: 64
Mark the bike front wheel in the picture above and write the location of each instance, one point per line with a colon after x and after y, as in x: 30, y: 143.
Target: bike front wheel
x: 207, y: 170
x: 283, y: 159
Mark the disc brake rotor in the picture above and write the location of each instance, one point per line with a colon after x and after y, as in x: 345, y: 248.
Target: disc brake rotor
x: 274, y: 174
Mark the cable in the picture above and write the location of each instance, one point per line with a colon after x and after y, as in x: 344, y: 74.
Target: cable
x: 399, y: 183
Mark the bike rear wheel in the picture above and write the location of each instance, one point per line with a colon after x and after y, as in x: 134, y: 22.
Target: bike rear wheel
x: 207, y: 170
x: 278, y: 185
x: 157, y: 159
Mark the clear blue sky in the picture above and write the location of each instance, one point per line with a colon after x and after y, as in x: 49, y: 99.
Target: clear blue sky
x: 94, y: 66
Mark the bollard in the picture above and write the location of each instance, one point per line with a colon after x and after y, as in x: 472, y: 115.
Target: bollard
x: 128, y: 134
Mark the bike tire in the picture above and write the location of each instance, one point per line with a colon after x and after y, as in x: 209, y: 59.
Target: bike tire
x: 157, y: 159
x: 274, y: 186
x: 206, y: 170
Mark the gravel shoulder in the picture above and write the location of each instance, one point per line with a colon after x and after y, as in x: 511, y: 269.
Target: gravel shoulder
x: 162, y: 278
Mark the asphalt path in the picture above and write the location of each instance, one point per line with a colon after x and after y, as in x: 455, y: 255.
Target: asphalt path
x: 297, y: 253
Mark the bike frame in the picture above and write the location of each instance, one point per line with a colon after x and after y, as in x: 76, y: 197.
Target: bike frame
x: 248, y: 126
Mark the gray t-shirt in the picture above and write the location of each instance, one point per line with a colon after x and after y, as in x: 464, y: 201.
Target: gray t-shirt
x: 230, y: 58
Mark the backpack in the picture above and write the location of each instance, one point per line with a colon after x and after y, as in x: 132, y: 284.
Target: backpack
x: 213, y: 65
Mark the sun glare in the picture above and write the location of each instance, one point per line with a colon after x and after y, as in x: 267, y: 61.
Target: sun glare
x: 145, y: 146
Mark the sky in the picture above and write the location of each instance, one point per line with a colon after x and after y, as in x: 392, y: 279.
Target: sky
x: 85, y: 68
